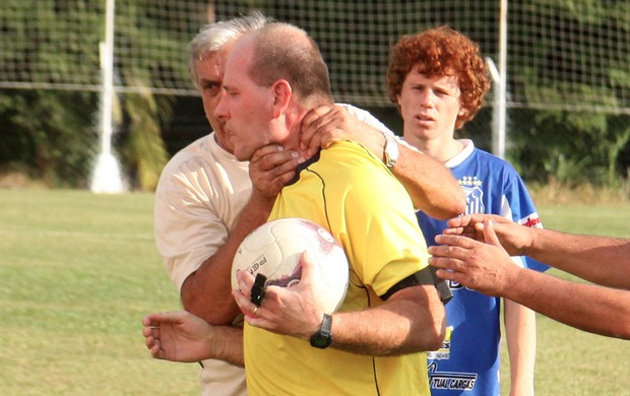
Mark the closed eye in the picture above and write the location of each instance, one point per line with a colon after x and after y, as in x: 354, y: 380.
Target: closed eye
x: 230, y: 91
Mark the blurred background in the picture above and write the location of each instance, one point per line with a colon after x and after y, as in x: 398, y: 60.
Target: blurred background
x: 77, y: 84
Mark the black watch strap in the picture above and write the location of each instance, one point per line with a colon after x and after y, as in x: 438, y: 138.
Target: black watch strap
x: 323, y: 337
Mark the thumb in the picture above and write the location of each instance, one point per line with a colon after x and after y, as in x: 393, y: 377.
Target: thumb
x: 309, y: 273
x: 488, y: 233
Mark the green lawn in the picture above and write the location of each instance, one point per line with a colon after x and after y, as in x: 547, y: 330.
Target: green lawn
x: 77, y: 273
x: 79, y: 270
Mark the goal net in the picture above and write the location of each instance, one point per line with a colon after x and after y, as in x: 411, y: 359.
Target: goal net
x: 567, y: 56
x: 561, y: 54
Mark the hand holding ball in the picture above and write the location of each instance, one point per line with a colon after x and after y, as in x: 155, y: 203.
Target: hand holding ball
x: 274, y: 250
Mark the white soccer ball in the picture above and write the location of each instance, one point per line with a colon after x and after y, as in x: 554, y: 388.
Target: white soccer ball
x: 274, y: 249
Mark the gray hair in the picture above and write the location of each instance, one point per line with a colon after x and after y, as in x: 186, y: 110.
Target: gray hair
x: 214, y: 36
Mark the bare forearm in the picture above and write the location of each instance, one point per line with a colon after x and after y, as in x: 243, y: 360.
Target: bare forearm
x: 430, y: 184
x: 228, y: 345
x: 591, y: 308
x: 207, y: 292
x: 390, y: 330
x: 520, y: 329
x: 602, y: 260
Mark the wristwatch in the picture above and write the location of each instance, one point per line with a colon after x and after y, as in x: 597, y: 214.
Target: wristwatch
x: 323, y: 337
x: 390, y: 151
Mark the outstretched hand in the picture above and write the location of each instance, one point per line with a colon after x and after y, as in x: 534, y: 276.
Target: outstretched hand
x: 515, y: 238
x: 177, y: 336
x: 483, y: 266
x: 289, y: 310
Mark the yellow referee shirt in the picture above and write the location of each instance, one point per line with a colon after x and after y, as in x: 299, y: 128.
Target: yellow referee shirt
x: 354, y: 196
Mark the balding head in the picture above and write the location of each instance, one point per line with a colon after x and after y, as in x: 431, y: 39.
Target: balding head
x: 283, y: 51
x: 273, y: 77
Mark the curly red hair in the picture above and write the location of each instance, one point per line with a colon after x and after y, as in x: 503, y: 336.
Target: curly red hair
x: 441, y: 51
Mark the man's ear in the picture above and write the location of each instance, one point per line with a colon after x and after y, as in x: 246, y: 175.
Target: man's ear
x: 282, y: 94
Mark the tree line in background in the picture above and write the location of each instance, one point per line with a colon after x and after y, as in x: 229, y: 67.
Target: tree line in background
x: 52, y: 135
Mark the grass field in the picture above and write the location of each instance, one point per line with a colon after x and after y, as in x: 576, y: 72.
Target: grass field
x: 78, y: 271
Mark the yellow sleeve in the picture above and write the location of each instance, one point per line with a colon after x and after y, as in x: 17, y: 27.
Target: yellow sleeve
x: 377, y: 226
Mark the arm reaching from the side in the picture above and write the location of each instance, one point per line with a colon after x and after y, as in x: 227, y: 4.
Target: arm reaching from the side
x: 599, y: 259
x: 487, y: 268
x: 270, y: 168
x: 183, y: 337
x: 432, y: 187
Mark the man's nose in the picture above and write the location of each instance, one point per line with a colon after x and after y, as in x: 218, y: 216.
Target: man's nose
x: 221, y: 110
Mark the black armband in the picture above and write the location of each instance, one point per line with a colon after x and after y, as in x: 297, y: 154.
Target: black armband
x: 425, y: 276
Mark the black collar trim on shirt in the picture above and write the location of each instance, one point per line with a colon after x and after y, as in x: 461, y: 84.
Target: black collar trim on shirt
x: 303, y: 166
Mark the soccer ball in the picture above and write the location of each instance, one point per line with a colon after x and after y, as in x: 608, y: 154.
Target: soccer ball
x: 274, y: 250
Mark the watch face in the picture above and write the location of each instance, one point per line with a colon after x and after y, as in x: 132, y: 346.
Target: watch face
x: 323, y: 338
x: 320, y: 341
